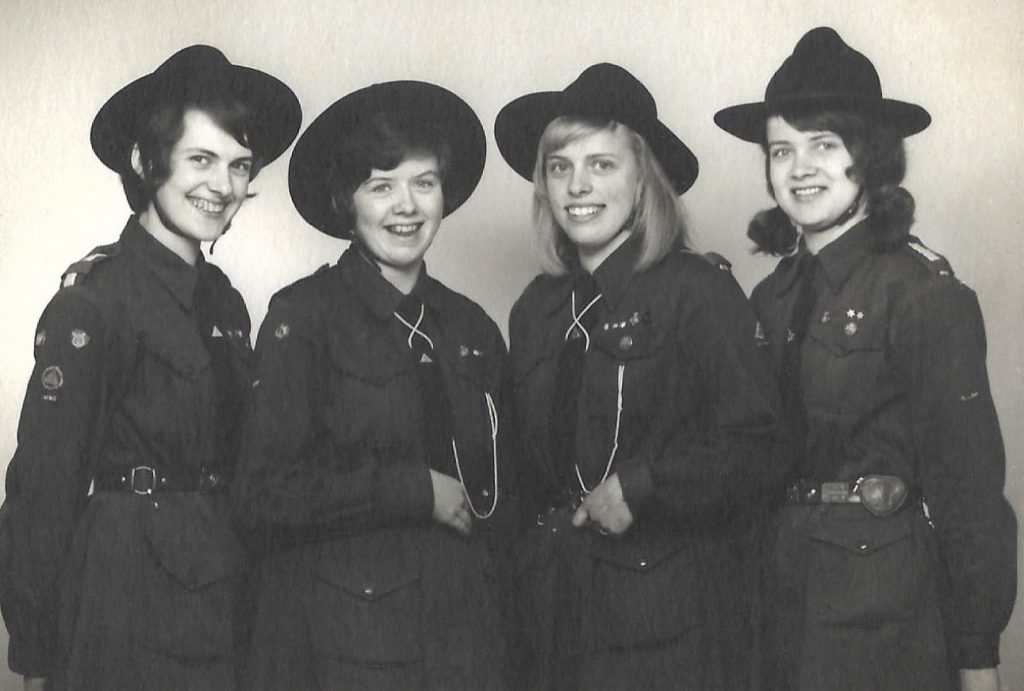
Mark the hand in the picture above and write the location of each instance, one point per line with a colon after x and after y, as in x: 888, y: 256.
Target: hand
x: 979, y: 679
x: 34, y: 683
x: 450, y: 505
x: 605, y: 509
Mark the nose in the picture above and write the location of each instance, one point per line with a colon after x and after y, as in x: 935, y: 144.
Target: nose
x: 404, y: 202
x: 219, y: 180
x: 804, y: 164
x: 579, y: 183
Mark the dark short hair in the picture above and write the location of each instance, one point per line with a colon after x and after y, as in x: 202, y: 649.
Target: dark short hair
x: 382, y: 142
x: 163, y: 126
x: 879, y: 165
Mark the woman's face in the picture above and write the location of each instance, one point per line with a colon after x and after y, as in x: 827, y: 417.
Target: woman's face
x: 208, y: 181
x: 592, y: 188
x: 808, y: 174
x: 398, y: 212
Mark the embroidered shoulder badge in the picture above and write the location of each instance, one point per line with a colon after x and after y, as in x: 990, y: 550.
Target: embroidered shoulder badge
x: 79, y: 339
x: 40, y: 337
x: 52, y: 378
x: 282, y: 331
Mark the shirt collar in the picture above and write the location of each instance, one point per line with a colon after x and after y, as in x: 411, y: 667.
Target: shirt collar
x: 377, y: 293
x: 612, y: 276
x: 837, y: 259
x: 177, y: 275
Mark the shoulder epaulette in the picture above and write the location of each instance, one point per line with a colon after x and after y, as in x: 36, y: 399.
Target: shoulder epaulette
x: 322, y: 267
x: 717, y: 260
x: 933, y: 260
x: 79, y: 271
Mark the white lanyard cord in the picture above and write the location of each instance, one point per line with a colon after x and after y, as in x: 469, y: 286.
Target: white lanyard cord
x: 492, y: 413
x: 615, y: 443
x: 576, y: 320
x: 414, y: 329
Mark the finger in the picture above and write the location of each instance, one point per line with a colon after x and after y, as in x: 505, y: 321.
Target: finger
x: 580, y: 518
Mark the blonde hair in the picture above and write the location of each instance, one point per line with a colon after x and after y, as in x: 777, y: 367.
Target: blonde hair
x: 657, y: 216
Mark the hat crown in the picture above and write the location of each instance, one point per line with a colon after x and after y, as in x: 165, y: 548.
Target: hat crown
x: 194, y: 58
x: 822, y: 64
x: 607, y: 90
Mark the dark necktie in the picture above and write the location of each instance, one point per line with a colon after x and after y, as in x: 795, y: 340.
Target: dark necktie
x: 436, y: 417
x: 568, y: 377
x: 793, y: 407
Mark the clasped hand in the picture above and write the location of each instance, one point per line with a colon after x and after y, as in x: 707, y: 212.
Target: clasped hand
x: 605, y: 509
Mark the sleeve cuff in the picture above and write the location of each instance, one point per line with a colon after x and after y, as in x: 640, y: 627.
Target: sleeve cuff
x: 636, y: 481
x: 976, y: 652
x: 407, y: 492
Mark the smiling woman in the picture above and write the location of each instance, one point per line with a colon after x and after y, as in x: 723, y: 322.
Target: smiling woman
x: 120, y: 563
x: 375, y: 462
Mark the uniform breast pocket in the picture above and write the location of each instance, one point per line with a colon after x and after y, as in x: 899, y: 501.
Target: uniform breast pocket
x: 844, y: 356
x: 366, y: 604
x: 648, y: 592
x: 363, y: 389
x: 190, y: 581
x: 864, y: 571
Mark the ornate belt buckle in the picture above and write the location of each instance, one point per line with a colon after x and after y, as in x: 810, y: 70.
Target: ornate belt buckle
x: 882, y: 495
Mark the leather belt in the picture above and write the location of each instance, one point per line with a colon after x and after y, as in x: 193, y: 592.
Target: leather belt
x: 145, y: 479
x: 882, y: 495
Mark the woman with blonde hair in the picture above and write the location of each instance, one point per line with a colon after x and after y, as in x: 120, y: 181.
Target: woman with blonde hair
x: 644, y: 404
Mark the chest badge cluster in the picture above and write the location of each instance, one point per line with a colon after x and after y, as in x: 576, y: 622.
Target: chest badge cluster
x: 79, y: 339
x: 466, y: 351
x: 854, y: 316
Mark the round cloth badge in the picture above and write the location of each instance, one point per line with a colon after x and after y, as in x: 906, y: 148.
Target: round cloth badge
x: 52, y: 378
x: 40, y: 337
x: 79, y: 339
x: 282, y: 330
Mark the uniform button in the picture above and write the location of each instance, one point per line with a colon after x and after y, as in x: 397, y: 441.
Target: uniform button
x: 626, y: 342
x: 368, y: 591
x: 862, y: 546
x: 485, y: 493
x: 643, y: 563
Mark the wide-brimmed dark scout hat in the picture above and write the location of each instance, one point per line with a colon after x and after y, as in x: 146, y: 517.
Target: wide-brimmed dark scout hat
x: 823, y: 72
x: 603, y: 91
x: 310, y: 175
x: 195, y: 71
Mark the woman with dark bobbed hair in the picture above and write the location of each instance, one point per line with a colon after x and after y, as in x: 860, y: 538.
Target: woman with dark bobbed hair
x: 374, y: 465
x: 894, y: 557
x: 119, y: 566
x: 644, y: 402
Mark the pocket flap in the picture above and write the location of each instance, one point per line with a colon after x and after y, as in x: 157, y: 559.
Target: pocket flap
x: 864, y: 536
x: 361, y: 356
x: 194, y: 542
x: 640, y: 556
x: 842, y: 334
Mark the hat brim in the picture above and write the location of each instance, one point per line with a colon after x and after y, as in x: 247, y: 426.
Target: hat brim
x: 275, y: 123
x: 309, y: 179
x: 520, y: 125
x: 747, y: 120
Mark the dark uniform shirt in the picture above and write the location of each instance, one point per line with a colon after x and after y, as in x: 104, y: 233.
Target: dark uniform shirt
x: 894, y: 381
x: 335, y: 461
x: 676, y: 378
x: 141, y: 360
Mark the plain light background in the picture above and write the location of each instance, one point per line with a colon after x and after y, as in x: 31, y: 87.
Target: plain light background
x: 963, y: 61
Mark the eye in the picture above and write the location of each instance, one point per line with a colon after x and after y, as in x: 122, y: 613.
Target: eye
x: 828, y: 145
x: 242, y: 166
x: 779, y: 152
x: 425, y: 184
x: 603, y: 165
x: 200, y: 159
x: 380, y: 187
x: 557, y: 167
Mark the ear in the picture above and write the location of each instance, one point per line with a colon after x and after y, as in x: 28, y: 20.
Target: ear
x: 136, y: 160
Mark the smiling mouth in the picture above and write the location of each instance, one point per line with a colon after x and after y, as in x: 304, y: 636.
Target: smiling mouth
x: 403, y: 230
x: 207, y: 206
x: 807, y: 192
x: 582, y: 213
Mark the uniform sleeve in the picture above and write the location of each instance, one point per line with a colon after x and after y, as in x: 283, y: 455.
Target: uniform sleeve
x: 718, y: 462
x: 290, y: 477
x: 47, y: 480
x: 940, y: 350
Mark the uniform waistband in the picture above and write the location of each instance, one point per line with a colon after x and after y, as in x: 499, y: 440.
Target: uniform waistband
x: 882, y: 495
x: 145, y: 479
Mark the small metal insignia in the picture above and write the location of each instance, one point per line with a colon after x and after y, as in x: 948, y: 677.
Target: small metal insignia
x: 52, y: 378
x: 216, y: 332
x: 790, y: 336
x: 463, y: 351
x: 826, y: 317
x: 850, y: 328
x: 282, y: 331
x: 477, y: 353
x: 41, y: 337
x: 626, y: 342
x: 759, y: 331
x: 79, y: 339
x: 425, y: 358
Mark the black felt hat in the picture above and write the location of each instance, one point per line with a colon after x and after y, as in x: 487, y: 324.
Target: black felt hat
x: 197, y: 70
x: 603, y: 91
x: 309, y: 173
x: 823, y: 72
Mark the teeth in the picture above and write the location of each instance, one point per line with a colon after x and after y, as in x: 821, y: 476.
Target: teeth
x: 580, y: 211
x: 206, y: 205
x: 404, y: 229
x: 807, y: 191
